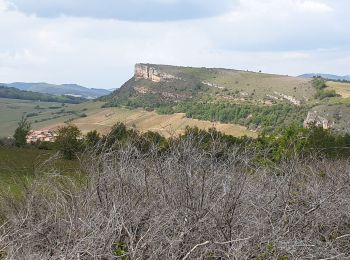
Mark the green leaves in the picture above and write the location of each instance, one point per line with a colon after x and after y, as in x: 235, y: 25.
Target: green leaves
x: 22, y: 131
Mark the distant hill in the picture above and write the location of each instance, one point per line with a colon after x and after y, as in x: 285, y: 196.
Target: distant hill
x: 168, y: 98
x: 59, y: 90
x: 156, y: 85
x: 247, y: 98
x: 14, y: 93
x: 326, y: 76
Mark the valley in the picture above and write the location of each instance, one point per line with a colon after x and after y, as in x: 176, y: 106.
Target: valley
x: 166, y: 99
x: 40, y: 114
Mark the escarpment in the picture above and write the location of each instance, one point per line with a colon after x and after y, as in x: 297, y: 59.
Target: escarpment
x: 149, y: 72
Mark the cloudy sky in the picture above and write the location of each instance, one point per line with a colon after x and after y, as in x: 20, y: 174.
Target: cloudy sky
x: 96, y: 43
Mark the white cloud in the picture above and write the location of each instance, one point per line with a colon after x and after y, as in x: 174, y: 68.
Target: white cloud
x: 4, y: 5
x: 312, y: 6
x: 271, y: 35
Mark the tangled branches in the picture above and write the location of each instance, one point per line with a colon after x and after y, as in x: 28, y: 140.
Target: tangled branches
x: 185, y: 203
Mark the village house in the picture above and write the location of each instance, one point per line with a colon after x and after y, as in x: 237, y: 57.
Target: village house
x: 41, y: 136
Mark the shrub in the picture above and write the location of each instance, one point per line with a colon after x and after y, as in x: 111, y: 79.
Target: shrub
x: 69, y: 141
x: 21, y: 132
x: 7, y: 142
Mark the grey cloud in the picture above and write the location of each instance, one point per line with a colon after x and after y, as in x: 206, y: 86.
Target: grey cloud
x: 131, y: 10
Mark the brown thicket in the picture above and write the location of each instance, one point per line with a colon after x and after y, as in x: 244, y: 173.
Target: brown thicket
x: 185, y: 203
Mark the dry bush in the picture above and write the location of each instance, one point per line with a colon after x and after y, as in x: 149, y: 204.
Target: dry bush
x: 186, y: 203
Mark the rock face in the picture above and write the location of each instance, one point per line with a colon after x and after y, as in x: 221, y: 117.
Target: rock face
x: 293, y: 100
x: 149, y: 72
x: 314, y: 118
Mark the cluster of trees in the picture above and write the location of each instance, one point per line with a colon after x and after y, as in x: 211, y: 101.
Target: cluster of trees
x: 284, y: 142
x: 249, y: 115
x: 321, y: 89
x: 9, y: 92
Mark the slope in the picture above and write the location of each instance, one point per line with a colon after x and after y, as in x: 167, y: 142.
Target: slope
x: 158, y: 85
x: 253, y: 99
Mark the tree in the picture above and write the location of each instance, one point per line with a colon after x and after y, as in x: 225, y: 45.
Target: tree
x: 68, y: 141
x: 92, y: 138
x: 22, y: 131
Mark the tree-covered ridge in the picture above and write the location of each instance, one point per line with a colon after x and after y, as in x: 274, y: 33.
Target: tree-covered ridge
x: 59, y: 90
x: 13, y: 93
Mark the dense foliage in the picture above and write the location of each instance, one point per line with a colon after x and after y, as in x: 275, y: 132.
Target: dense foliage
x: 253, y: 116
x: 250, y: 115
x: 6, y: 92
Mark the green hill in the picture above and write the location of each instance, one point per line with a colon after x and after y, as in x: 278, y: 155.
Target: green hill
x: 157, y: 85
x: 59, y: 90
x: 253, y: 99
x: 14, y: 93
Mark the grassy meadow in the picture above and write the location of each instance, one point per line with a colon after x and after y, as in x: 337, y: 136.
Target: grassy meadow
x: 343, y: 89
x: 19, y: 165
x: 256, y: 85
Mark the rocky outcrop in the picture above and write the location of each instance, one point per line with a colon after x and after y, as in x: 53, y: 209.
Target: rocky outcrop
x: 314, y: 119
x: 211, y: 85
x: 293, y: 100
x: 149, y: 72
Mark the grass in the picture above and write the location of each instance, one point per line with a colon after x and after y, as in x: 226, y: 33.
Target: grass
x: 47, y: 113
x: 19, y: 165
x: 256, y: 85
x: 343, y: 89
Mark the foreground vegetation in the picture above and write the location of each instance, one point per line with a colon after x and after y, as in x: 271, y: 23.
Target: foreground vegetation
x: 20, y: 165
x: 202, y: 195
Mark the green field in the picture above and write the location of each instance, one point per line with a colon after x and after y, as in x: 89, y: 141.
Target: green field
x: 40, y: 114
x: 18, y: 166
x: 255, y: 85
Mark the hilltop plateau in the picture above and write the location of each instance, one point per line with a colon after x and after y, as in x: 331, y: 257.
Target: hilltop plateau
x: 253, y: 99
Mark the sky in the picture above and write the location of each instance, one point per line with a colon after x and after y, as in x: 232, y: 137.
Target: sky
x: 95, y: 43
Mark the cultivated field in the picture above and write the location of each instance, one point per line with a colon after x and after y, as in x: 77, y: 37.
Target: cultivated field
x: 40, y: 114
x: 342, y: 89
x: 142, y: 120
x: 45, y: 115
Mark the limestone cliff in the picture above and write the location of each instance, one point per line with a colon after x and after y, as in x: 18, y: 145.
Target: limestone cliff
x: 149, y: 72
